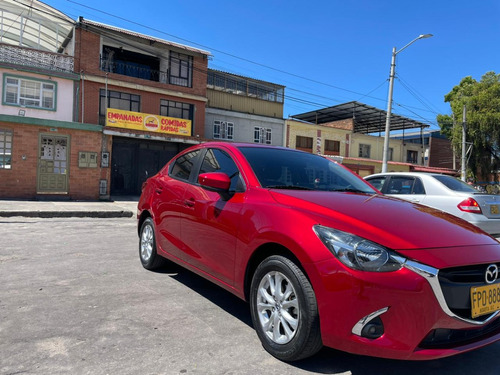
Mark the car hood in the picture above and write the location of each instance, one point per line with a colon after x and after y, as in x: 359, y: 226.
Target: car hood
x: 391, y: 222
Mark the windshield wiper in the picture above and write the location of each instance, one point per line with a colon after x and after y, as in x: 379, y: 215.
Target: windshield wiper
x: 350, y: 190
x: 290, y: 187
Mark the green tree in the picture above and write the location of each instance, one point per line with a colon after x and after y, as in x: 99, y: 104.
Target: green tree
x: 482, y: 102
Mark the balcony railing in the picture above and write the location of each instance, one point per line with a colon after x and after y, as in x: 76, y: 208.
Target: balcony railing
x: 133, y: 70
x: 35, y: 58
x: 142, y: 71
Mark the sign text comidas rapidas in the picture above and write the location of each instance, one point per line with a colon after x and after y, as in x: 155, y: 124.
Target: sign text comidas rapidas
x: 147, y: 122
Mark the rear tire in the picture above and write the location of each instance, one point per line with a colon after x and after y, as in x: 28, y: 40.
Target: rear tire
x: 147, y: 247
x: 284, y: 310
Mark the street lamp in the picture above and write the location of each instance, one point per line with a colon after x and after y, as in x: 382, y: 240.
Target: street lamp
x: 389, y: 101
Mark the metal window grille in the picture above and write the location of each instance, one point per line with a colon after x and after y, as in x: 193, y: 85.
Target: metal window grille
x: 262, y: 135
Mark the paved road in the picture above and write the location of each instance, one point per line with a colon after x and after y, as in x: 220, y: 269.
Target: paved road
x: 74, y: 299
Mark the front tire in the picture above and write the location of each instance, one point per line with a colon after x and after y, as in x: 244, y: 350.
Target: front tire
x: 147, y: 247
x: 284, y: 310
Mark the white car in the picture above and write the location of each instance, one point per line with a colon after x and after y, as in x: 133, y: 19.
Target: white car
x: 445, y: 193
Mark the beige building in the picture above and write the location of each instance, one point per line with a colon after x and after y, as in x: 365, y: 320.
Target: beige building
x: 346, y: 131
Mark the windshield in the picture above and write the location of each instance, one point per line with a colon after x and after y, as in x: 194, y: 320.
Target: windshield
x: 455, y: 184
x: 289, y: 169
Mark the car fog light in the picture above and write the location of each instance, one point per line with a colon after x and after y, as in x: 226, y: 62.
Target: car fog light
x: 371, y: 326
x: 374, y: 329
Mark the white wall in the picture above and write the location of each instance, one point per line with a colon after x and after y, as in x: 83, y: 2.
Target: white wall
x: 244, y: 125
x: 64, y: 98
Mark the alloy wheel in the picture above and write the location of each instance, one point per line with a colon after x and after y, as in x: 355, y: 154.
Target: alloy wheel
x: 147, y: 243
x: 278, y: 307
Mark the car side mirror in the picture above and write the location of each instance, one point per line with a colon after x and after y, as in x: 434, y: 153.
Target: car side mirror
x: 215, y: 181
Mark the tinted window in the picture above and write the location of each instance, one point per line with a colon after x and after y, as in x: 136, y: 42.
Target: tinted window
x: 182, y: 167
x: 400, y: 185
x: 418, y: 187
x: 404, y: 185
x: 290, y: 169
x: 216, y: 160
x: 377, y: 182
x: 454, y: 184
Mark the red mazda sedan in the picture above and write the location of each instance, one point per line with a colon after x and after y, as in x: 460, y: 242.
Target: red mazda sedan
x: 321, y: 256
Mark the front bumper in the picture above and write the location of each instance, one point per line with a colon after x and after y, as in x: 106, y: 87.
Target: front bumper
x: 417, y: 323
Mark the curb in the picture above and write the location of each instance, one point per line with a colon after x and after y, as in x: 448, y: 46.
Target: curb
x: 62, y: 214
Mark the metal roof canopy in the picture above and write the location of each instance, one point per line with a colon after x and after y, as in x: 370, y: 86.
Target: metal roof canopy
x: 367, y: 119
x: 33, y: 24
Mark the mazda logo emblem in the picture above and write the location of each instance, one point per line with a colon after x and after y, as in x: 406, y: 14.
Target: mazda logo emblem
x: 491, y: 273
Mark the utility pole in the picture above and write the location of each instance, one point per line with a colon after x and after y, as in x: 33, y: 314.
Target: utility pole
x: 453, y: 147
x: 464, y: 124
x: 389, y: 101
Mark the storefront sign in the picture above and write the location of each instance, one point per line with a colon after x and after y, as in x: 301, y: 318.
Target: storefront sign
x: 147, y: 122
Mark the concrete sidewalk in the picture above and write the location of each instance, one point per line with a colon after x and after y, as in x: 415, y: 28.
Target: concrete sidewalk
x: 115, y: 208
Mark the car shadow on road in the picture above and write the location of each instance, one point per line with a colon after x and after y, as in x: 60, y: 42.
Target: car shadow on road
x: 215, y: 294
x: 331, y: 361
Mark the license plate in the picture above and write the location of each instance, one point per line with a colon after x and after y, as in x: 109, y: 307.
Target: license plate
x: 494, y: 209
x: 485, y: 299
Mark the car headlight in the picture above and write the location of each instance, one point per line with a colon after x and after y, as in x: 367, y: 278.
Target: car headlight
x: 358, y: 253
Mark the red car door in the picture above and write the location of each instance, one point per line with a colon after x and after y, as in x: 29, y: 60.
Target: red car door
x: 210, y: 222
x: 167, y: 203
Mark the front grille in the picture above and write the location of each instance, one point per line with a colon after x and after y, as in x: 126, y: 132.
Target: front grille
x: 456, y: 284
x: 451, y: 338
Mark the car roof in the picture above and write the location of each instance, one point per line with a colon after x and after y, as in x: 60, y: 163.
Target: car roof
x: 422, y: 174
x: 237, y: 145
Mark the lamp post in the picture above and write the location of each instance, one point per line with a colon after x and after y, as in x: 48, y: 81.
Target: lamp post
x: 389, y: 101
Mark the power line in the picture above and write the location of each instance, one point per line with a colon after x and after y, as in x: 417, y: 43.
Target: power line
x: 417, y: 96
x: 245, y: 60
x: 216, y: 50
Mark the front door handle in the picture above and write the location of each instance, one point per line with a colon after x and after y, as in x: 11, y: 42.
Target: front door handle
x: 189, y: 202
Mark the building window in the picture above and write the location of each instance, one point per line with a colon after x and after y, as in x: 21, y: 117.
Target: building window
x: 303, y: 143
x: 332, y: 147
x: 176, y: 109
x: 5, y: 149
x: 262, y: 135
x: 29, y: 93
x: 181, y: 69
x: 390, y: 152
x: 364, y: 151
x: 223, y: 130
x: 117, y: 100
x: 412, y: 157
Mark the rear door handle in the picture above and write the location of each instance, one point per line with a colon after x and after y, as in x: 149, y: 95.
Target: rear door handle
x: 158, y: 191
x: 189, y: 202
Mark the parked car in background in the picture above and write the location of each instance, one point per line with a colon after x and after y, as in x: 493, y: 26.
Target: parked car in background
x: 321, y: 256
x: 443, y: 192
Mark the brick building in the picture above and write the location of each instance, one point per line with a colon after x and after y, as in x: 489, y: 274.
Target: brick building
x: 40, y: 141
x: 61, y: 80
x: 126, y: 75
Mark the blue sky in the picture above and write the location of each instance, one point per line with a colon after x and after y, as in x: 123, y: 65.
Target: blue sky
x: 326, y: 52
